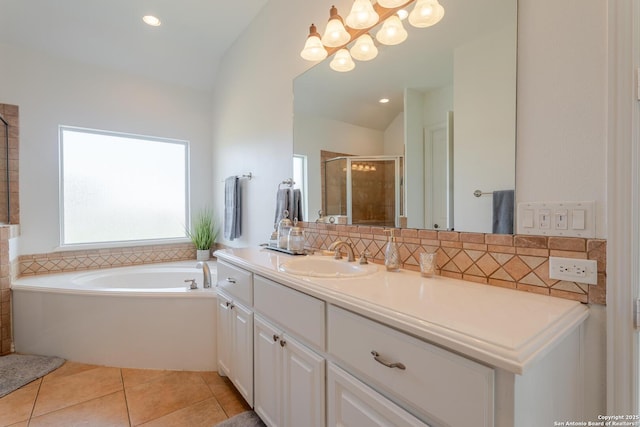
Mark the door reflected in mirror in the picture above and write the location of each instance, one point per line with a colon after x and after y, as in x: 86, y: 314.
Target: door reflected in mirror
x: 451, y: 118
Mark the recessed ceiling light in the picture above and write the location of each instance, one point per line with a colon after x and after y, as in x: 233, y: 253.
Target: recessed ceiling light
x: 151, y: 20
x: 383, y: 100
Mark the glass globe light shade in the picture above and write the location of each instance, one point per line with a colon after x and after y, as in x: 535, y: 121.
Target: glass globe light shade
x: 390, y: 4
x: 364, y: 49
x: 392, y: 31
x: 426, y: 13
x: 335, y: 35
x: 362, y: 15
x: 313, y: 49
x: 342, y: 61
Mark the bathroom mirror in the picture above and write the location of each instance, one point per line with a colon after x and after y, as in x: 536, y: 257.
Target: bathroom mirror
x: 451, y: 115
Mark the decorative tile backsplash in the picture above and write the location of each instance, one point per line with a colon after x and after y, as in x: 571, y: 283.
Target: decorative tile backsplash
x: 58, y: 262
x: 516, y: 262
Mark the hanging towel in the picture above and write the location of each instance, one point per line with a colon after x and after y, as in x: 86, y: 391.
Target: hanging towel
x: 503, y: 211
x: 283, y: 203
x: 232, y: 208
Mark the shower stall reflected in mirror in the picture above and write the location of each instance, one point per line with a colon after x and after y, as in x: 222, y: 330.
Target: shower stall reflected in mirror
x: 364, y: 190
x: 4, y: 171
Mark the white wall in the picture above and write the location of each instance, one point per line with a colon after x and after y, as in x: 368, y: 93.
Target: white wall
x: 562, y: 99
x: 394, y: 137
x: 483, y: 141
x: 561, y: 111
x: 53, y: 91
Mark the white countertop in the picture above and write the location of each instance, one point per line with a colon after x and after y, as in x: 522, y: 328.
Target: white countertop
x: 501, y: 327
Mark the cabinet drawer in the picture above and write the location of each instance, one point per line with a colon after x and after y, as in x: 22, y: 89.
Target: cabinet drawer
x: 352, y: 403
x: 235, y: 281
x: 298, y: 313
x: 447, y: 388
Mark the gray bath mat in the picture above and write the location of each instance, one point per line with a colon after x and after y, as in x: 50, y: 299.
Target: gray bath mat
x: 17, y: 370
x: 244, y: 419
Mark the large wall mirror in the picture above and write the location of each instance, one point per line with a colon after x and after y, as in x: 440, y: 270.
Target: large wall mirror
x: 450, y: 120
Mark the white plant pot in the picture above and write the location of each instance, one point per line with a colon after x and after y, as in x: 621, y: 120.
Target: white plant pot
x: 203, y: 254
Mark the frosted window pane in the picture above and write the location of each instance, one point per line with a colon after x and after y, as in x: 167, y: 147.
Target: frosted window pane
x: 118, y: 187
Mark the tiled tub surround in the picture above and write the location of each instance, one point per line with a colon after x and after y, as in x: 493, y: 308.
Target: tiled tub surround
x: 516, y: 262
x: 10, y: 113
x: 67, y: 261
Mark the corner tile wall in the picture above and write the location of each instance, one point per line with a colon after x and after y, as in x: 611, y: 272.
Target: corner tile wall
x: 8, y: 271
x: 514, y: 262
x: 10, y: 113
x: 8, y: 265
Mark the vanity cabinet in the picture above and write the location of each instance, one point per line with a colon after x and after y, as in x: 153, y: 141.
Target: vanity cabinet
x: 289, y: 379
x: 235, y: 327
x: 325, y: 352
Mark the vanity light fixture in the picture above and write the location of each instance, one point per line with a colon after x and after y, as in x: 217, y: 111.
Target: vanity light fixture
x: 151, y: 20
x: 392, y: 31
x: 335, y: 35
x: 426, y: 13
x: 313, y: 48
x: 364, y: 49
x: 342, y: 61
x: 364, y: 16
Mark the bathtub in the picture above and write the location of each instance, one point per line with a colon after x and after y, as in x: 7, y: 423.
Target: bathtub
x: 130, y: 317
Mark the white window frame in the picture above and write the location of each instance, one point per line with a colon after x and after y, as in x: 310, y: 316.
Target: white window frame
x: 303, y: 184
x: 121, y: 243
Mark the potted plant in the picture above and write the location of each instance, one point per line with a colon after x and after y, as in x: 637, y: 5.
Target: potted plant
x: 203, y: 234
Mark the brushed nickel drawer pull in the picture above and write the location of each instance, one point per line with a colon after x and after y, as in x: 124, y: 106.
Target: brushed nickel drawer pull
x: 231, y: 280
x: 380, y: 360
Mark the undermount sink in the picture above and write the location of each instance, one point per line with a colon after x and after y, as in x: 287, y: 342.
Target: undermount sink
x: 319, y: 266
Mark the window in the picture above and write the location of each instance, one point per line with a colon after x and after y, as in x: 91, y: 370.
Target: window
x: 118, y: 187
x: 300, y: 178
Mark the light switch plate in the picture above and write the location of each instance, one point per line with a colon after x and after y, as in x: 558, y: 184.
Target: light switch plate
x: 569, y: 219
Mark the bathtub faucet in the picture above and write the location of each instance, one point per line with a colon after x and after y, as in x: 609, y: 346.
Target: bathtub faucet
x: 207, y: 273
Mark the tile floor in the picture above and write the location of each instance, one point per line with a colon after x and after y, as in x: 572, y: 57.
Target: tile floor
x: 87, y: 395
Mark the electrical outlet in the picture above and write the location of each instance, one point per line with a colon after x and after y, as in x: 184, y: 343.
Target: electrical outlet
x: 574, y: 270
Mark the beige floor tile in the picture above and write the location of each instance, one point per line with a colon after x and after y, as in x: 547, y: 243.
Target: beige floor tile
x: 167, y: 394
x: 60, y: 392
x: 202, y: 414
x: 70, y: 368
x: 134, y: 377
x: 229, y: 398
x: 17, y: 406
x: 20, y: 424
x: 110, y: 410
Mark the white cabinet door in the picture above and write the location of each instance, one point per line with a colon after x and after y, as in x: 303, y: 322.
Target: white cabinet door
x: 303, y: 377
x: 242, y: 351
x: 235, y: 344
x: 224, y: 335
x: 267, y: 372
x: 353, y: 404
x: 289, y: 379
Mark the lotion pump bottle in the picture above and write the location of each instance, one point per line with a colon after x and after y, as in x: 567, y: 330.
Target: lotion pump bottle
x: 391, y: 253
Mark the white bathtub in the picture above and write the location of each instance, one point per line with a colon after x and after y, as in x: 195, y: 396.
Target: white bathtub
x: 133, y: 317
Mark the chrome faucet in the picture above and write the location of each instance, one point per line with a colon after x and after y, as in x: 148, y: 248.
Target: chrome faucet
x: 339, y: 244
x: 207, y: 273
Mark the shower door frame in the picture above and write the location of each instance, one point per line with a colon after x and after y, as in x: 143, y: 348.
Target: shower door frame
x: 397, y: 184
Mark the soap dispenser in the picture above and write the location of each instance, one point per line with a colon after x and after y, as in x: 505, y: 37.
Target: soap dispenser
x: 391, y: 253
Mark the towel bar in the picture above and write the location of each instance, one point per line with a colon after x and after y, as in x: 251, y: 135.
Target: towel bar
x: 479, y: 193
